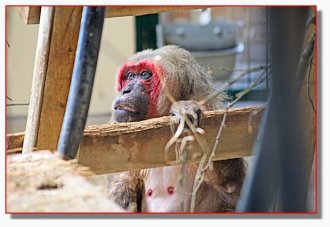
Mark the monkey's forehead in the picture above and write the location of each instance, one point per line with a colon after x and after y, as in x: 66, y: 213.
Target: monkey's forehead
x: 149, y: 64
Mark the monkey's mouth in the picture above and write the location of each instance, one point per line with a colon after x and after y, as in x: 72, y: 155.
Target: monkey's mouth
x: 127, y: 114
x: 126, y: 108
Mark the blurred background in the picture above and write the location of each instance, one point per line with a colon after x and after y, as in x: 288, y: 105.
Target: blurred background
x: 223, y: 39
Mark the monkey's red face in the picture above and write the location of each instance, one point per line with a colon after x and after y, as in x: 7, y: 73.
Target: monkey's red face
x: 139, y: 87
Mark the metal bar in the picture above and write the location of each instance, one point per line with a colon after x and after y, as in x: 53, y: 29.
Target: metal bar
x: 82, y: 81
x: 279, y: 179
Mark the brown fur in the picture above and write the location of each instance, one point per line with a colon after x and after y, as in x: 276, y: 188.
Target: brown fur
x: 185, y: 79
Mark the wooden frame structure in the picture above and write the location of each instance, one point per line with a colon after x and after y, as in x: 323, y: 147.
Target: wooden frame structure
x: 105, y: 147
x: 139, y: 145
x: 31, y: 14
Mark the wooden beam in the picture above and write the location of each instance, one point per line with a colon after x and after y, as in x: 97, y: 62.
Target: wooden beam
x: 121, y: 11
x: 39, y: 77
x: 140, y: 145
x: 31, y: 14
x: 52, y: 77
x: 63, y: 47
x: 137, y: 145
x: 14, y: 142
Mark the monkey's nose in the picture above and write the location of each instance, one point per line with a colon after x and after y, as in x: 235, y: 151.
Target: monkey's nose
x: 126, y: 91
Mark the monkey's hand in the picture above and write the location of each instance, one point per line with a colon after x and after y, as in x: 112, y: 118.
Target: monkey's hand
x: 126, y: 189
x: 190, y: 110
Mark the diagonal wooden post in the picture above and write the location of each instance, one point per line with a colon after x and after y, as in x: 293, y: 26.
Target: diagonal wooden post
x: 39, y: 75
x: 59, y: 73
x: 47, y: 111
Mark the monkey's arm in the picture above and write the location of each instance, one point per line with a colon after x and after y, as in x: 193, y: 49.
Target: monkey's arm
x: 126, y: 189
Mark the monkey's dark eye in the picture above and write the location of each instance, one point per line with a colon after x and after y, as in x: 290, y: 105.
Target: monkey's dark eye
x: 146, y: 75
x: 130, y: 75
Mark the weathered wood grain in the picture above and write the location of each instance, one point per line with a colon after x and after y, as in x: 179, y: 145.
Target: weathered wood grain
x: 139, y: 145
x: 14, y: 142
x: 59, y: 72
x: 31, y: 14
x: 39, y: 77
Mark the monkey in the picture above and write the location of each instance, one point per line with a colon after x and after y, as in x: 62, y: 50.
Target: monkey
x: 143, y: 82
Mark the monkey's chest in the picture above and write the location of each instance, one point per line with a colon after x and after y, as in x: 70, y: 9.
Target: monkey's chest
x: 168, y: 189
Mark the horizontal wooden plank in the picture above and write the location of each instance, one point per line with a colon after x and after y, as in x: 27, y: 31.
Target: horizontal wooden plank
x: 31, y: 14
x: 137, y: 145
x: 15, y: 142
x: 120, y: 11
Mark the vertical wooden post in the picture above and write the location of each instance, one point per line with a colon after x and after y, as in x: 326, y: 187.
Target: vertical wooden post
x: 53, y: 92
x: 39, y: 75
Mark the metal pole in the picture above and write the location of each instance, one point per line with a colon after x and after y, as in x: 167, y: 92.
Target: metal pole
x: 280, y: 176
x: 82, y: 81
